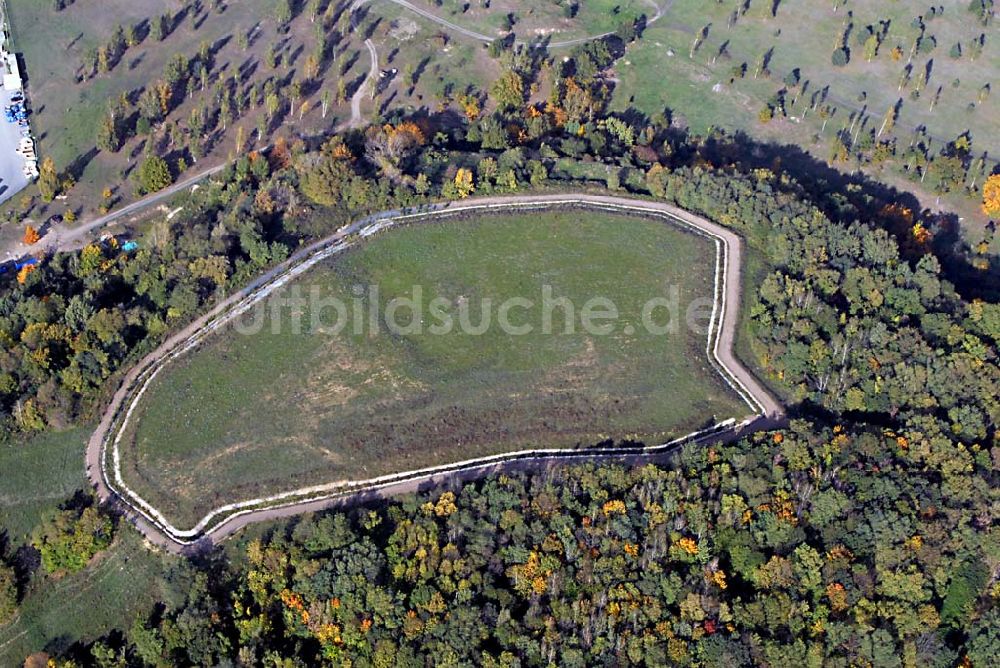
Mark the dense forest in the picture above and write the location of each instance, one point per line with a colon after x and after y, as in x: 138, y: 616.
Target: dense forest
x: 811, y: 546
x: 864, y: 534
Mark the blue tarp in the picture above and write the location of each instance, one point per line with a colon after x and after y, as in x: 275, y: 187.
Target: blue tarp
x: 7, y: 266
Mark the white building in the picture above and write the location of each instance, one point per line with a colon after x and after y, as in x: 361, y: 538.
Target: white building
x: 12, y: 73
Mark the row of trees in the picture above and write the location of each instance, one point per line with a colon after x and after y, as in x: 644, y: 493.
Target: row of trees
x: 869, y: 137
x: 199, y: 99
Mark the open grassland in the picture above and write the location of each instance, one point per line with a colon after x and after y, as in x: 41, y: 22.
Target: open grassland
x: 433, y: 65
x: 803, y: 36
x: 664, y: 70
x: 246, y: 415
x: 36, y: 474
x: 120, y: 584
x: 540, y: 19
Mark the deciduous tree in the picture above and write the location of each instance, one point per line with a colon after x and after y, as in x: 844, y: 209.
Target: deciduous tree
x: 48, y: 180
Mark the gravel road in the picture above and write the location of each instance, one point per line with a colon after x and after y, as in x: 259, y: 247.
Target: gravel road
x: 158, y: 531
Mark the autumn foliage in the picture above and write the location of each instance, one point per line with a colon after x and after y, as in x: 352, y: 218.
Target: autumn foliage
x: 390, y: 145
x: 31, y: 235
x: 463, y: 183
x: 22, y: 275
x: 991, y: 195
x: 279, y: 156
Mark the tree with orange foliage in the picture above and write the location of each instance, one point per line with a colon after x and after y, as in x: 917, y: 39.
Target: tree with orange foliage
x: 578, y: 102
x: 31, y: 235
x: 559, y: 116
x: 920, y: 234
x: 22, y: 275
x: 279, y: 156
x: 388, y: 146
x: 991, y: 195
x: 340, y: 150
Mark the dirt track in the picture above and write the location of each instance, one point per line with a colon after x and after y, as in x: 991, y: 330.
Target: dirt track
x: 159, y: 532
x: 472, y: 34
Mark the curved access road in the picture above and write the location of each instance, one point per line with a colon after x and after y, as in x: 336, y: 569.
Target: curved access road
x: 356, y: 120
x: 103, y: 457
x: 63, y: 237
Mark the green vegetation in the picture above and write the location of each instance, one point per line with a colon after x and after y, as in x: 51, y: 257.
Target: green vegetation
x: 867, y: 85
x: 113, y: 82
x: 39, y: 472
x: 908, y: 101
x: 245, y: 415
x: 68, y: 539
x: 8, y: 593
x: 154, y: 174
x: 863, y: 534
x: 123, y: 582
x: 831, y: 546
x: 554, y: 20
x: 40, y: 475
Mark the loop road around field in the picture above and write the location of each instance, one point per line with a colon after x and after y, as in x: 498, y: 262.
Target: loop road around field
x: 103, y: 459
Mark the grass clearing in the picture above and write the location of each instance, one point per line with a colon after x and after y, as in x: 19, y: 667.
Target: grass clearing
x: 123, y: 582
x: 540, y: 19
x: 661, y: 72
x: 39, y: 473
x: 248, y: 415
x: 803, y: 35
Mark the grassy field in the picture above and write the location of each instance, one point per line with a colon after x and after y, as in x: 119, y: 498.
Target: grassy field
x: 245, y: 415
x: 541, y: 18
x: 664, y: 71
x: 433, y: 65
x: 123, y: 582
x: 803, y: 36
x: 36, y: 474
x: 67, y: 111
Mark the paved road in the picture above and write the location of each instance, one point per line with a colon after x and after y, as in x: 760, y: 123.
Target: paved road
x: 159, y: 531
x: 12, y: 163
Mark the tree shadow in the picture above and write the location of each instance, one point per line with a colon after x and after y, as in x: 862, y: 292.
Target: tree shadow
x: 845, y: 198
x: 79, y: 164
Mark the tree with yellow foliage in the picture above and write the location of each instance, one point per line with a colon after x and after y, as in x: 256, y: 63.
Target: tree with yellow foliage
x: 991, y: 195
x: 22, y: 275
x: 463, y: 183
x: 508, y: 90
x: 31, y: 235
x: 470, y: 107
x: 48, y: 180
